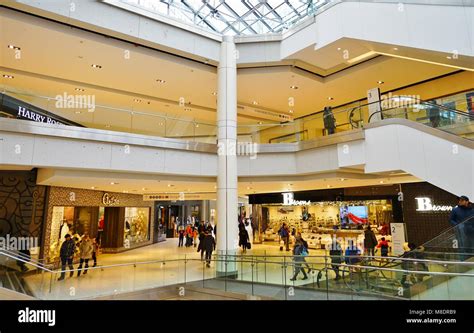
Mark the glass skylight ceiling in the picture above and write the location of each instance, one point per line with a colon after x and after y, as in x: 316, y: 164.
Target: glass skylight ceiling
x: 235, y: 17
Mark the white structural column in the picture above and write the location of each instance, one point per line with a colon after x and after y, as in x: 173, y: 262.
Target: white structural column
x: 227, y: 197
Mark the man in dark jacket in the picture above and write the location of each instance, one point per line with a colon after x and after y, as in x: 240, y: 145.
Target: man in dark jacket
x: 67, y: 253
x: 329, y: 120
x: 464, y: 231
x: 209, y: 246
x: 370, y: 241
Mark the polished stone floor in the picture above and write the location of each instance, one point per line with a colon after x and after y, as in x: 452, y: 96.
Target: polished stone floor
x: 161, y: 265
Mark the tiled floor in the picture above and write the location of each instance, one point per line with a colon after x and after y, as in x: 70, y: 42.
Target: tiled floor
x: 149, y: 272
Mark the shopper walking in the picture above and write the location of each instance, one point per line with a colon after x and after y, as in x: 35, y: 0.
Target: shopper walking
x: 284, y: 233
x: 180, y: 236
x: 383, y: 246
x: 189, y: 235
x: 305, y: 251
x: 298, y: 259
x: 86, y: 248
x: 243, y: 237
x: 464, y: 231
x: 370, y: 241
x: 209, y: 246
x: 329, y: 120
x: 335, y: 252
x: 66, y: 253
x: 95, y: 251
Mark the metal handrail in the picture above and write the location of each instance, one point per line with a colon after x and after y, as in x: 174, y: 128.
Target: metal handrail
x: 19, y: 255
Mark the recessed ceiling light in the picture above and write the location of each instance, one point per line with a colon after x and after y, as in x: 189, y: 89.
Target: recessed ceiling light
x: 339, y: 49
x: 214, y: 93
x: 8, y: 76
x: 160, y: 81
x: 107, y: 126
x: 343, y: 179
x: 260, y: 123
x: 136, y: 100
x: 113, y: 183
x: 93, y: 187
x: 449, y: 57
x: 290, y: 111
x: 187, y: 109
x: 77, y: 112
x: 381, y: 182
x: 248, y: 187
x: 329, y: 186
x: 290, y: 184
x: 144, y: 189
x: 96, y: 66
x: 13, y: 47
x: 255, y: 103
x: 197, y: 125
x: 395, y: 48
x: 161, y: 124
x: 78, y: 89
x: 169, y: 185
x: 330, y: 98
x: 125, y: 191
x: 380, y: 82
x: 293, y: 87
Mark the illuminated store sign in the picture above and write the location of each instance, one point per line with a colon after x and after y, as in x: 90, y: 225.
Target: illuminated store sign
x: 289, y: 201
x: 424, y: 204
x: 24, y: 113
x: 109, y: 200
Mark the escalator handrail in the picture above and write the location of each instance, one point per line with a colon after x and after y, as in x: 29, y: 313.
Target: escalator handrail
x: 467, y: 220
x: 23, y: 256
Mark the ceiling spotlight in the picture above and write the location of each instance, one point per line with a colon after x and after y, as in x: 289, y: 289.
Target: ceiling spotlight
x: 380, y: 82
x: 13, y: 47
x: 290, y: 111
x: 79, y: 89
x: 113, y: 183
x: 395, y: 48
x: 449, y: 57
x: 330, y: 98
x: 125, y: 191
x: 144, y: 189
x: 107, y: 126
x: 96, y: 66
x: 260, y: 123
x: 255, y: 103
x: 136, y: 100
x: 293, y: 87
x: 161, y: 124
x: 339, y: 49
x: 248, y: 187
x: 343, y: 179
x: 329, y: 186
x: 214, y: 93
x: 381, y: 182
x: 93, y: 187
x: 197, y: 125
x: 160, y: 81
x: 8, y: 76
x: 77, y: 112
x: 169, y: 185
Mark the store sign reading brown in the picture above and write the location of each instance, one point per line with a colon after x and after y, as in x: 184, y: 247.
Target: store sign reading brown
x: 109, y: 200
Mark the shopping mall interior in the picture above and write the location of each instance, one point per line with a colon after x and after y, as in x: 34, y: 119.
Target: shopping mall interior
x: 238, y: 148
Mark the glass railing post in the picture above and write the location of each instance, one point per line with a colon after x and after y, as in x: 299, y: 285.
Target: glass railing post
x: 284, y: 277
x: 185, y: 264
x: 252, y: 265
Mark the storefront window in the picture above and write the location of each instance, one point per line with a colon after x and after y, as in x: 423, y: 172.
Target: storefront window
x: 136, y: 225
x: 75, y: 221
x: 321, y: 219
